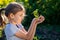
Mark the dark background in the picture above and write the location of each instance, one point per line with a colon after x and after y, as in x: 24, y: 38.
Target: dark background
x: 50, y: 9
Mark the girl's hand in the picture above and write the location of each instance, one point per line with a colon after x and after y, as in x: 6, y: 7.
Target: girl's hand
x: 39, y: 20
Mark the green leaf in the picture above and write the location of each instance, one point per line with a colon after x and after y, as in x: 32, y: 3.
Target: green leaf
x: 36, y: 13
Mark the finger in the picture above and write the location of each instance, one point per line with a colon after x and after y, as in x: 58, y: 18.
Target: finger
x: 41, y: 17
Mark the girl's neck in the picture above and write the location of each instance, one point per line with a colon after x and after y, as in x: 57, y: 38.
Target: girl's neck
x: 11, y: 21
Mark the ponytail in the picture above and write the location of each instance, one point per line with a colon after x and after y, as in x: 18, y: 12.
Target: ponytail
x: 2, y: 22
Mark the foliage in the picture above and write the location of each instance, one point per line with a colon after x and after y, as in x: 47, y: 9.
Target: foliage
x: 3, y: 3
x: 50, y: 9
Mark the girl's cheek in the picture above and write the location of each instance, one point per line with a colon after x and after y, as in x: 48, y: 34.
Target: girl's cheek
x: 16, y: 19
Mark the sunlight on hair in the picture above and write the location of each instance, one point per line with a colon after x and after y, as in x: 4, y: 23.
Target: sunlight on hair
x: 4, y: 18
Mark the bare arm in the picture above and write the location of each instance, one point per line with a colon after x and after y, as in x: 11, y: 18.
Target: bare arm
x: 27, y: 35
x: 41, y: 20
x: 30, y: 34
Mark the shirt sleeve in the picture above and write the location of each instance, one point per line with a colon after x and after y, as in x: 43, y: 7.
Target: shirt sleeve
x: 13, y: 30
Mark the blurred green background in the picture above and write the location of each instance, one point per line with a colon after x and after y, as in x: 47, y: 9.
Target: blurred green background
x: 50, y: 9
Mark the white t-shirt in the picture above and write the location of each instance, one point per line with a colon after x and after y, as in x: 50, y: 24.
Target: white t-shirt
x: 10, y: 30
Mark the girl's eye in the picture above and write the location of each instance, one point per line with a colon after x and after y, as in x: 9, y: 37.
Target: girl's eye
x: 21, y: 15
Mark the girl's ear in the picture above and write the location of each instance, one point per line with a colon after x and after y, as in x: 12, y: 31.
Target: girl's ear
x: 11, y: 16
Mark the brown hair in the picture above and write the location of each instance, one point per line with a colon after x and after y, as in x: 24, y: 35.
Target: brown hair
x: 11, y: 8
x: 1, y: 19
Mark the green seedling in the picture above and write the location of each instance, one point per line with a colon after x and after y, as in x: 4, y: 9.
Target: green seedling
x: 36, y: 13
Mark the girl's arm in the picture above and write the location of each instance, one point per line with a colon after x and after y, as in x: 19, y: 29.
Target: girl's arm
x: 27, y: 35
x: 41, y: 20
x: 30, y: 34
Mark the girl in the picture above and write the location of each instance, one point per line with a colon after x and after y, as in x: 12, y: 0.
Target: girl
x: 14, y: 30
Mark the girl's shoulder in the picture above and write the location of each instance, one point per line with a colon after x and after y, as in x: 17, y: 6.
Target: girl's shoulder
x: 9, y: 25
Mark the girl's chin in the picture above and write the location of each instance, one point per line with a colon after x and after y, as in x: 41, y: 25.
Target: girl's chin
x: 18, y: 22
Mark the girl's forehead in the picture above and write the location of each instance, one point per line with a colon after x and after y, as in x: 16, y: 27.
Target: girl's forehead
x: 20, y: 12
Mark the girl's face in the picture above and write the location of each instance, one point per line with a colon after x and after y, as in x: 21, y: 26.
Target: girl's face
x: 19, y: 16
